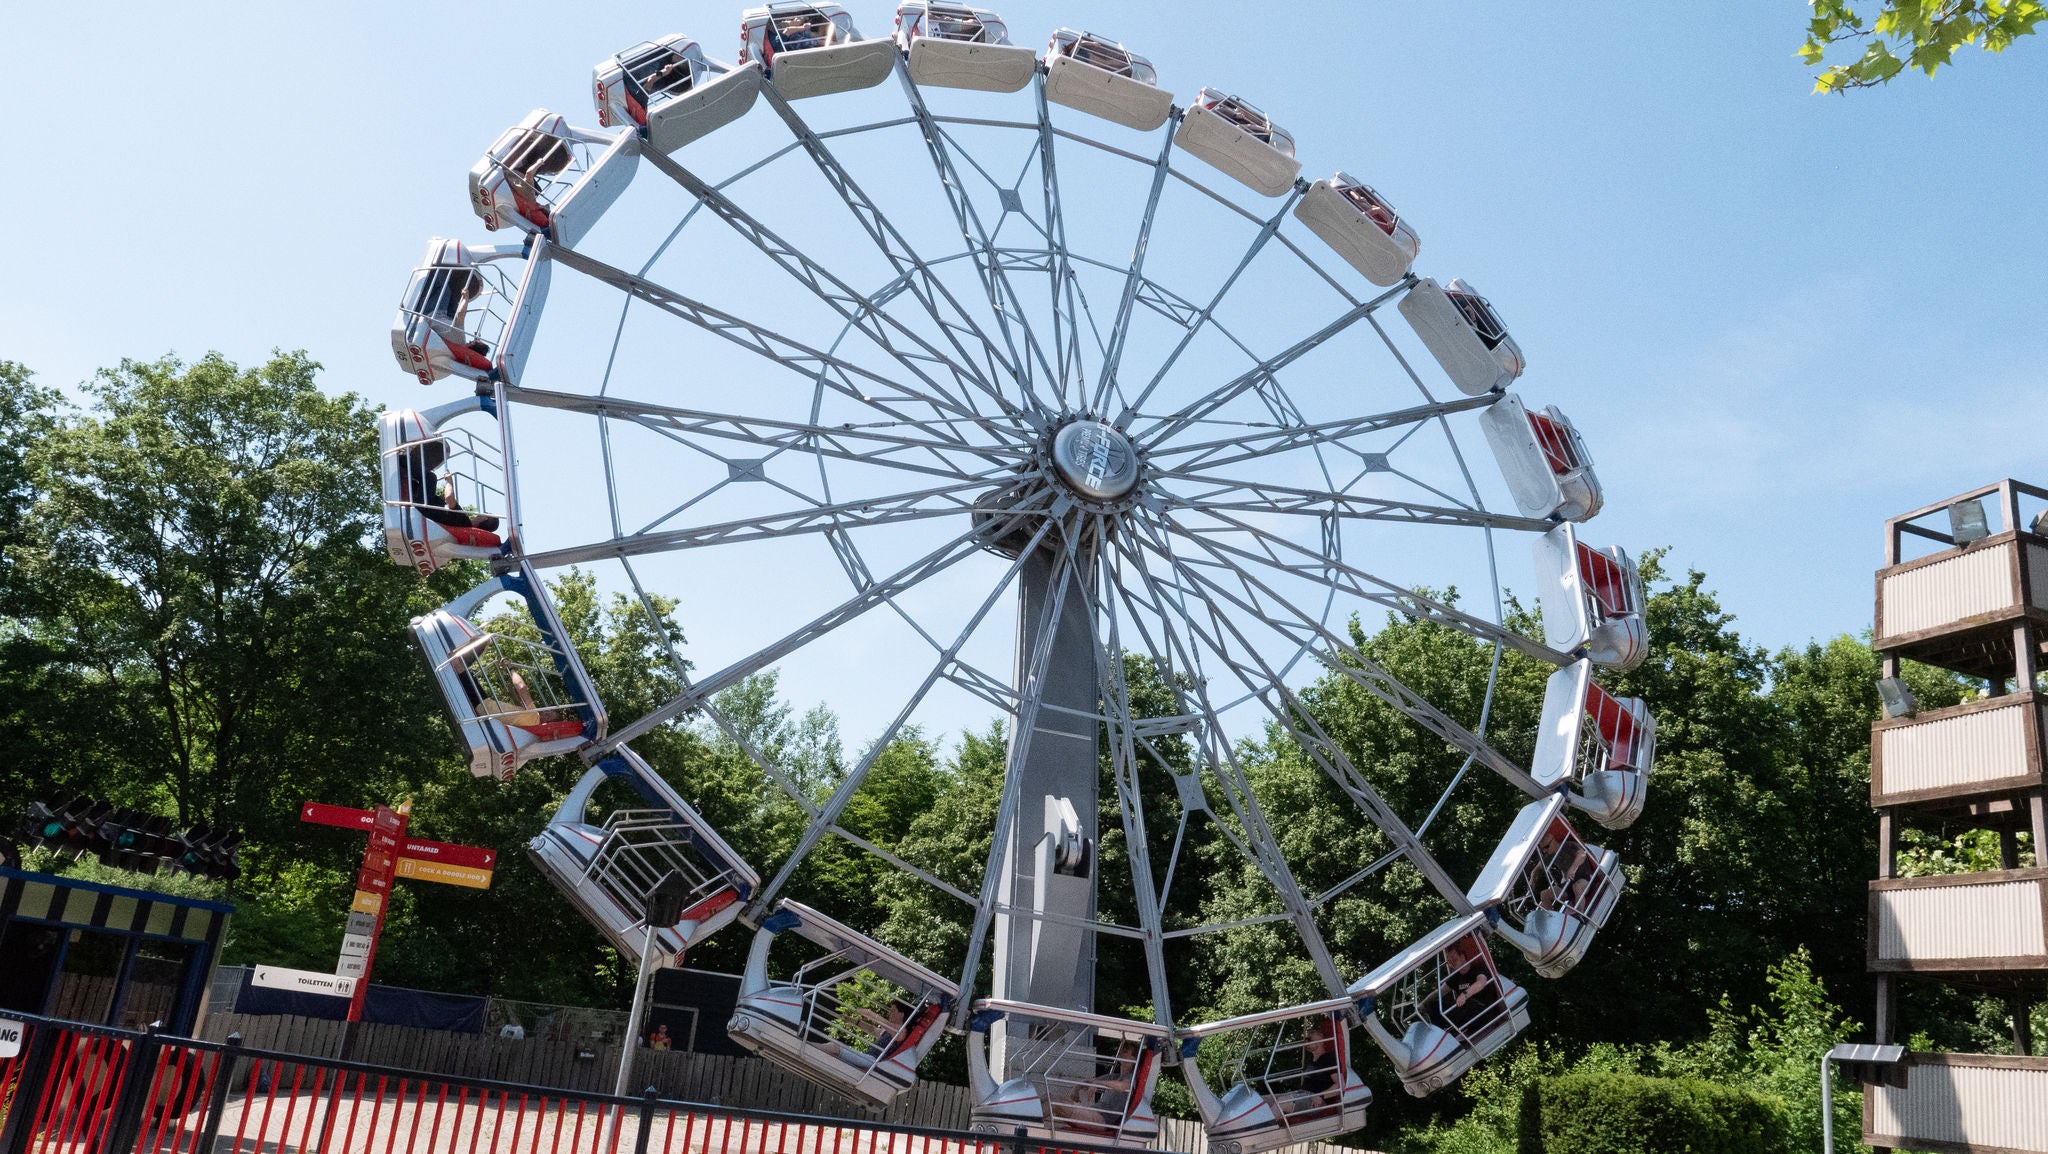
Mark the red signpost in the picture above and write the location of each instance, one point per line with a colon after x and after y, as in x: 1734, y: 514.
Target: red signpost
x: 390, y: 855
x: 373, y: 886
x: 344, y: 817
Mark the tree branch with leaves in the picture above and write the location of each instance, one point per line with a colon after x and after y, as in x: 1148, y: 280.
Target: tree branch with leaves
x: 1922, y: 34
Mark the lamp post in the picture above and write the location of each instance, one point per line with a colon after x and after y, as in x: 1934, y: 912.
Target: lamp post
x: 662, y: 910
x: 1877, y: 1065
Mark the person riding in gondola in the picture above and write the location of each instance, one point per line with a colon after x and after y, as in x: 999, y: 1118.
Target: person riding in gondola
x: 670, y: 75
x: 422, y: 483
x: 887, y: 1029
x: 1571, y: 874
x: 794, y: 34
x: 451, y: 511
x: 539, y: 156
x: 450, y: 289
x: 1320, y: 1084
x: 1098, y: 1103
x: 1466, y: 992
x: 1372, y: 206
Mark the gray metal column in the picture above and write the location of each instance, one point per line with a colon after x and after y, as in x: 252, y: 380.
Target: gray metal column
x: 1051, y: 960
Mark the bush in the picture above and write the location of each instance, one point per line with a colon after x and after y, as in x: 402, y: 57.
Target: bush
x: 1610, y: 1113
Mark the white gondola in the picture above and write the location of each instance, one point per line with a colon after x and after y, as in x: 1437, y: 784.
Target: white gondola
x: 1290, y: 1081
x: 1598, y: 747
x: 813, y: 49
x: 670, y: 90
x: 463, y: 315
x: 443, y: 487
x: 857, y: 1019
x: 1440, y: 1006
x: 1545, y: 464
x: 1592, y: 600
x: 1464, y: 334
x: 543, y: 175
x: 1361, y: 226
x: 1550, y: 891
x: 1242, y: 142
x: 1064, y: 1075
x: 512, y: 699
x: 1103, y: 78
x: 953, y: 46
x: 607, y: 870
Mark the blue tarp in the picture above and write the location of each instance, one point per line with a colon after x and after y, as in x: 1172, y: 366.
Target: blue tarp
x: 388, y: 1005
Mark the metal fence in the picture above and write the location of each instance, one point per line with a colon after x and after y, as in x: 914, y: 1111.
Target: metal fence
x: 77, y: 1089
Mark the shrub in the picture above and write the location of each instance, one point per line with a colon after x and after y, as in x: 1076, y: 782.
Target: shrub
x: 1610, y: 1113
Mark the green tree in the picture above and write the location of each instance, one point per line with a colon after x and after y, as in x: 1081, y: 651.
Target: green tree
x: 205, y: 529
x: 1901, y: 34
x: 52, y: 733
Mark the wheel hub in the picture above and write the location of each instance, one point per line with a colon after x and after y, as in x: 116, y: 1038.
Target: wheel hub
x: 1095, y: 460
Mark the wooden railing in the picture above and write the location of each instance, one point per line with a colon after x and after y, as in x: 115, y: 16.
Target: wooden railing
x: 1993, y: 580
x: 1962, y: 1102
x: 1994, y: 920
x: 1978, y: 747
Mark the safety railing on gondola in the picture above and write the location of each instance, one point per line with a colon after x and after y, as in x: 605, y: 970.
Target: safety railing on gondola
x: 79, y: 1089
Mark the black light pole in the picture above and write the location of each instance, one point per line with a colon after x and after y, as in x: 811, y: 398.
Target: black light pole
x: 662, y: 910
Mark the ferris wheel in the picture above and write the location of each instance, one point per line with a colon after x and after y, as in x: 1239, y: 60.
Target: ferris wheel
x: 982, y: 376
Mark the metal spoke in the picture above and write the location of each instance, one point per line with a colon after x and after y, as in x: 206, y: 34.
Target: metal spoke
x: 1066, y: 333
x: 853, y: 306
x: 1203, y: 406
x: 828, y: 815
x: 859, y: 513
x: 1116, y: 697
x: 1261, y: 846
x: 794, y: 355
x: 864, y: 443
x: 1288, y: 711
x: 1348, y: 661
x: 1324, y: 568
x: 1264, y: 497
x: 1194, y: 324
x: 966, y: 545
x: 924, y: 285
x: 1003, y: 300
x: 1106, y: 378
x: 1255, y: 443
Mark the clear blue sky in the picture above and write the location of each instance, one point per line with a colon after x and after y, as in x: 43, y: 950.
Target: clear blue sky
x: 1777, y: 317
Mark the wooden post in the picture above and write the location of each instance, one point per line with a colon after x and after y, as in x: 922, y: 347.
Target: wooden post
x: 2009, y: 504
x: 2025, y: 656
x: 2038, y: 812
x: 1887, y: 1012
x: 1885, y: 842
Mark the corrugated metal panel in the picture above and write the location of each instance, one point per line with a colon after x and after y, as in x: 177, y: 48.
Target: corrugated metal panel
x: 2037, y: 576
x: 1978, y: 581
x: 1980, y: 1106
x: 1980, y: 746
x: 1990, y: 920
